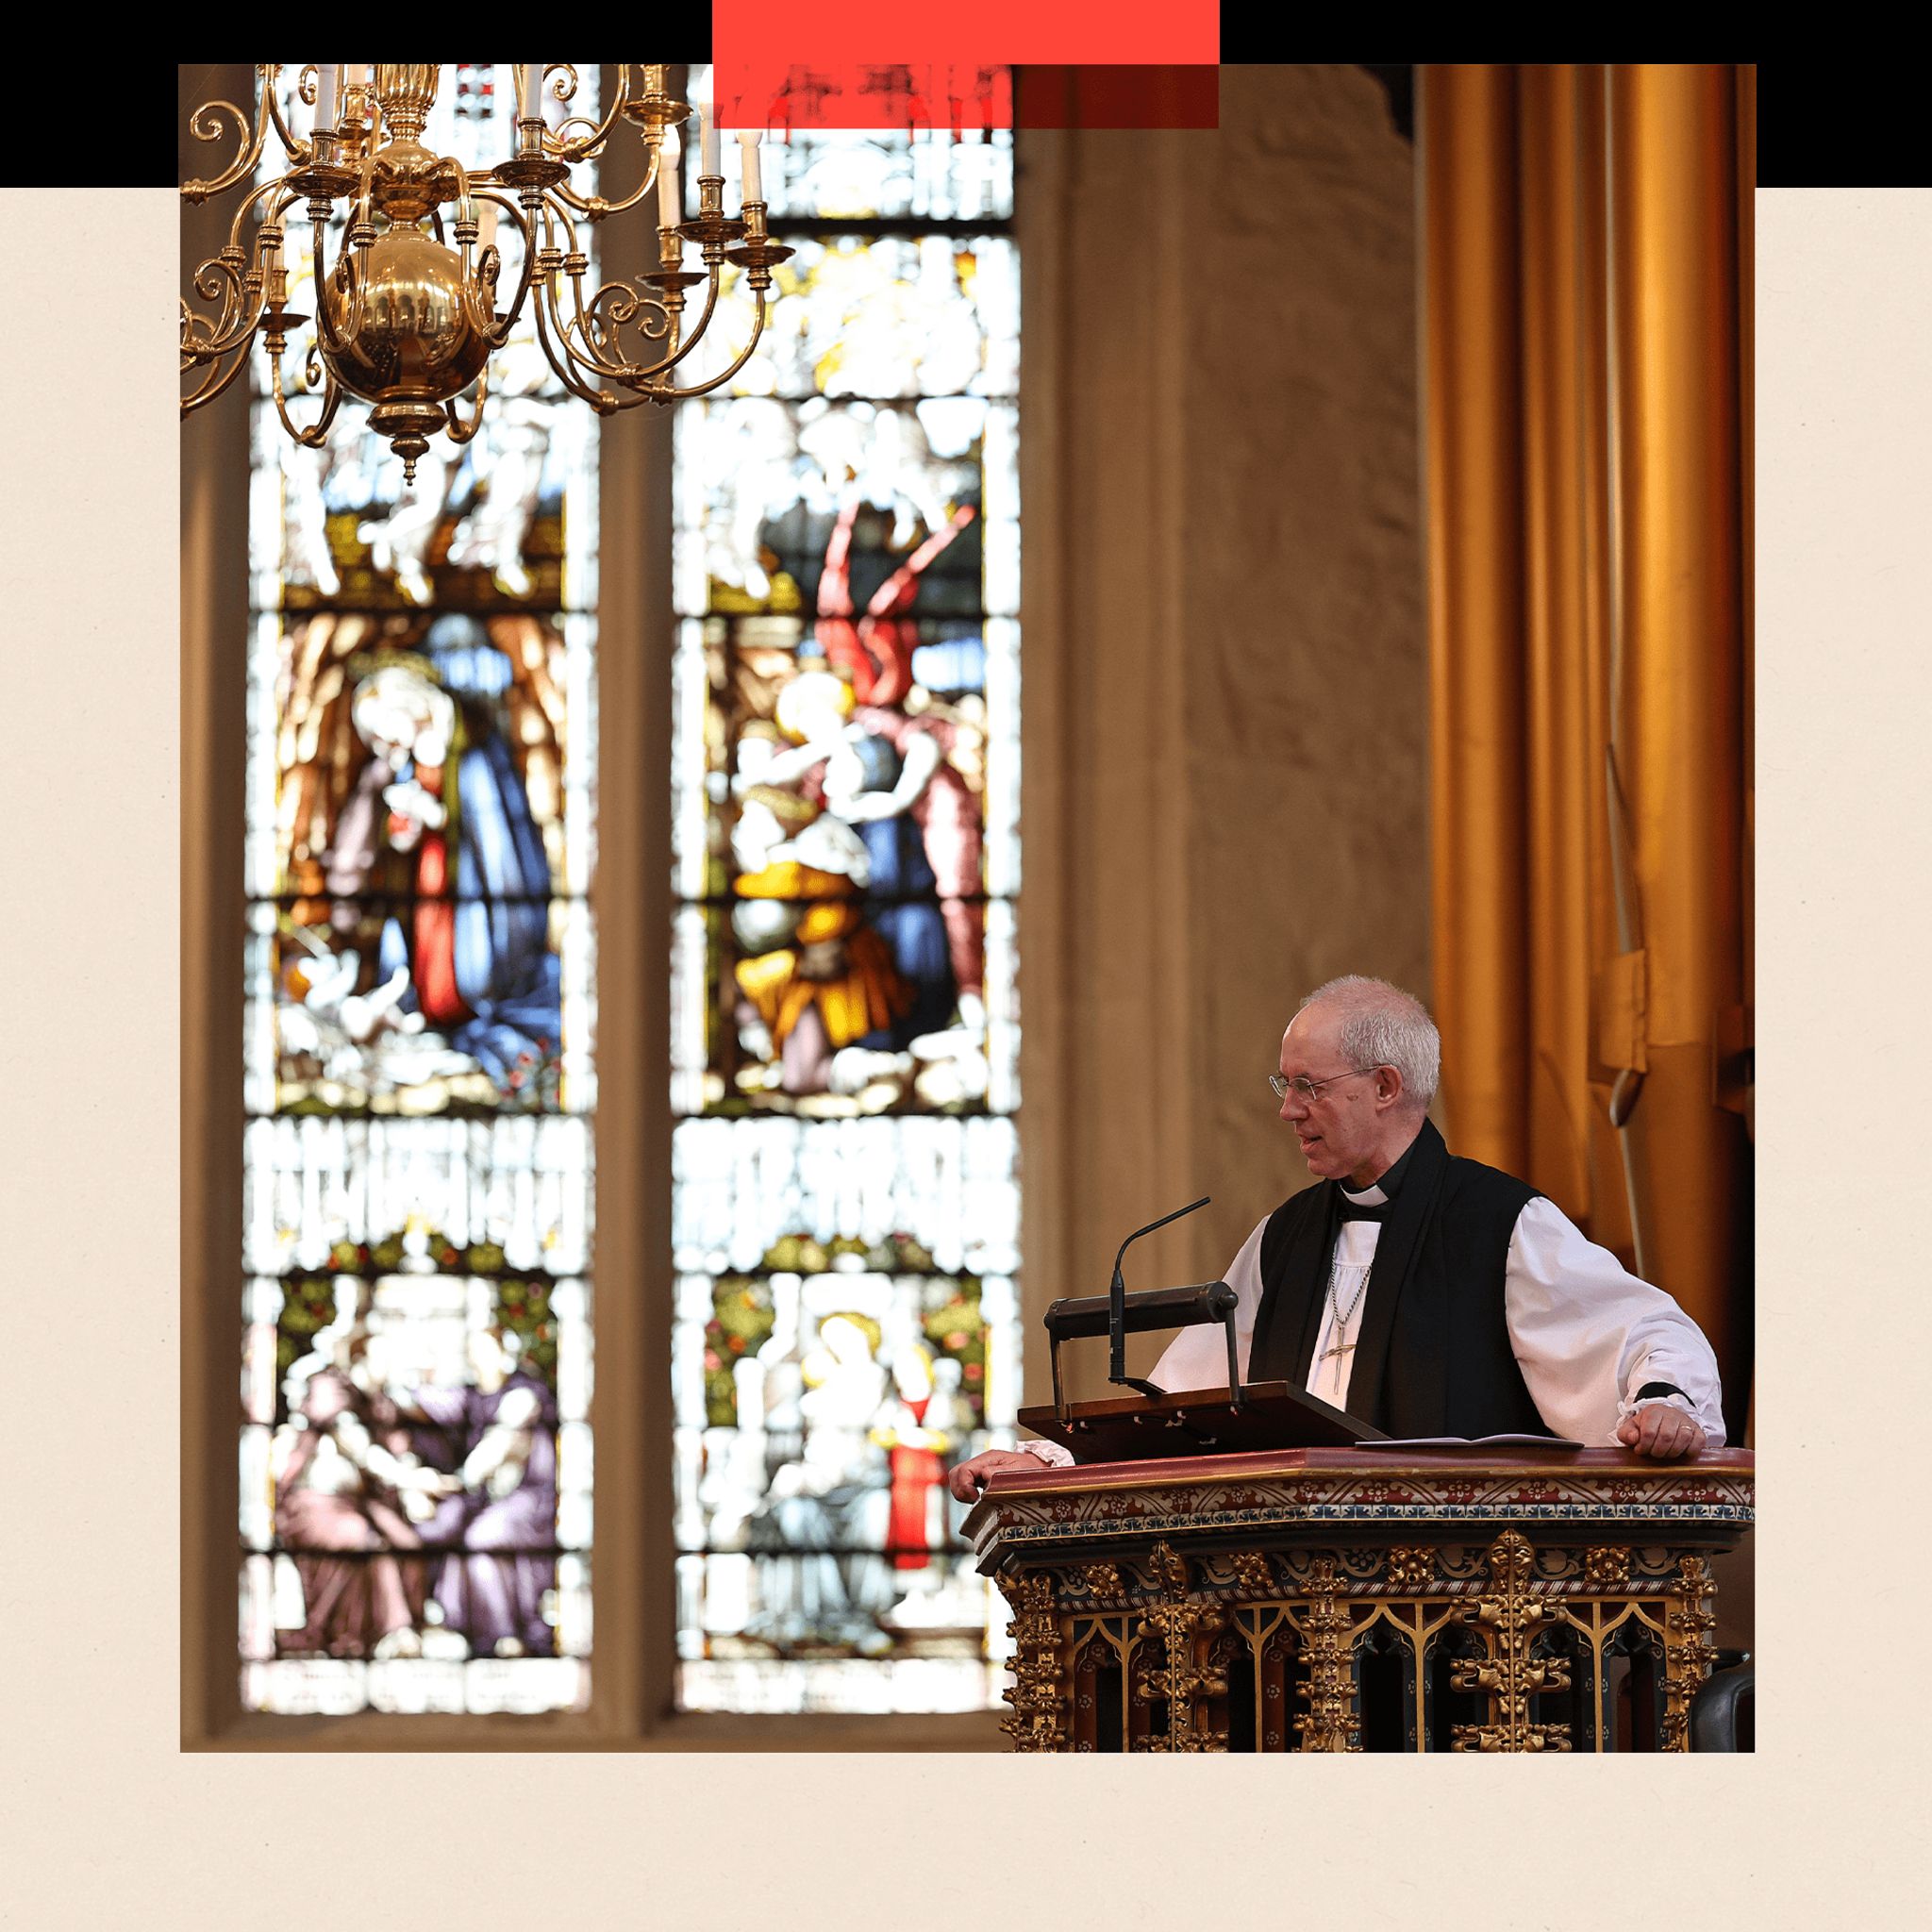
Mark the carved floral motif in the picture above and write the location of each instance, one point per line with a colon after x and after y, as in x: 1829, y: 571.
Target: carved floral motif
x: 1185, y: 1674
x: 1035, y: 1722
x: 1103, y: 1581
x: 1688, y: 1654
x: 1509, y: 1618
x: 1606, y: 1568
x: 1410, y: 1569
x: 1329, y: 1723
x: 1254, y: 1575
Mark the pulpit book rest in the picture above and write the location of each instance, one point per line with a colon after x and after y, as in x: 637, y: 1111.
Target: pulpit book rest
x: 1198, y: 1421
x: 1195, y: 1422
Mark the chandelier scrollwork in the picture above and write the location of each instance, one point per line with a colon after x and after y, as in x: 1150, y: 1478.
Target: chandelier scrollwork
x: 407, y: 315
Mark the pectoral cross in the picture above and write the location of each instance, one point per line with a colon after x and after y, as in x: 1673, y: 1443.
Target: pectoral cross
x: 1338, y: 1349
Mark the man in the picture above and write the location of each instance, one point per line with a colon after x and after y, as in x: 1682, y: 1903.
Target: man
x: 1430, y: 1295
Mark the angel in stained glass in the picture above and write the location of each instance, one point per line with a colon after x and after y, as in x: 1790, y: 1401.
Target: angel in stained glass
x: 856, y: 754
x: 817, y: 977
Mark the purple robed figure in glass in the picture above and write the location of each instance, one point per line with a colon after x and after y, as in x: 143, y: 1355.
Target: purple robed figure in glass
x: 502, y: 1529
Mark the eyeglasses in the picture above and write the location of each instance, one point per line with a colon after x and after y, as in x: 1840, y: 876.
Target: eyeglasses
x: 1305, y: 1089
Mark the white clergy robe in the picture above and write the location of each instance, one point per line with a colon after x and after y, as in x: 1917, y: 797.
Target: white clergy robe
x: 1587, y: 1333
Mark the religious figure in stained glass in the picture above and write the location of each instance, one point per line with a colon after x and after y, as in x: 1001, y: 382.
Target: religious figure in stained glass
x: 820, y: 1517
x: 420, y: 961
x: 415, y: 1479
x: 422, y: 950
x: 846, y: 1204
x: 498, y: 1516
x: 345, y: 1493
x: 476, y: 958
x: 854, y: 827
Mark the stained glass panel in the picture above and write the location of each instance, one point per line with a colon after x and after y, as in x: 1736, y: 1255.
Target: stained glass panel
x: 419, y: 970
x: 846, y: 783
x: 932, y: 317
x: 925, y: 176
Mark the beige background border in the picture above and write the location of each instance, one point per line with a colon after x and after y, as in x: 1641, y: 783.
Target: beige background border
x: 104, y: 1822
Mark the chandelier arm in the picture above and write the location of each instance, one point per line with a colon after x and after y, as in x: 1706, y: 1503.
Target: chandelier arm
x: 555, y: 216
x: 222, y: 275
x: 248, y: 201
x: 684, y: 342
x: 564, y: 368
x: 596, y: 207
x: 297, y: 150
x: 578, y: 331
x: 216, y: 381
x: 670, y: 393
x: 575, y: 369
x: 251, y: 134
x: 357, y: 285
x: 501, y: 333
x: 205, y: 338
x: 592, y: 330
x: 316, y: 435
x: 589, y: 329
x: 459, y: 432
x: 587, y: 145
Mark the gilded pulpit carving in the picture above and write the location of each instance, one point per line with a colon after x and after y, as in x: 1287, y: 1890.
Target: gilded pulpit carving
x: 1424, y: 1601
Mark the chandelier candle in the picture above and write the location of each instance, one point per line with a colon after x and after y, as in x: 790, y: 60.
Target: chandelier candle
x: 669, y: 213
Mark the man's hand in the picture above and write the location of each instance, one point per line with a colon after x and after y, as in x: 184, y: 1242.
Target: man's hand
x: 1661, y: 1430
x: 967, y: 1480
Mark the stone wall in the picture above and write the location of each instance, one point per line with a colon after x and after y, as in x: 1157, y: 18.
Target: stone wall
x: 1226, y: 697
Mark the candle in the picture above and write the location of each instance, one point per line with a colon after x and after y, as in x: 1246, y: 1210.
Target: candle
x: 326, y: 99
x: 654, y: 80
x: 708, y: 142
x: 754, y: 184
x: 669, y: 213
x: 529, y: 78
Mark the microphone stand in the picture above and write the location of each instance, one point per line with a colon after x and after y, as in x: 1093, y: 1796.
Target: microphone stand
x: 1117, y: 1305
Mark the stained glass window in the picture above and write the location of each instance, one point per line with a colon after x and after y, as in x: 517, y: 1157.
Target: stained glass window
x: 845, y: 853
x: 418, y: 957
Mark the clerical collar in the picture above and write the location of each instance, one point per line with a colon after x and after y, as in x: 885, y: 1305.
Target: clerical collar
x: 1382, y: 1190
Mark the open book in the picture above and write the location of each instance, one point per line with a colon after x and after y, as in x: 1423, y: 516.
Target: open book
x: 1468, y: 1442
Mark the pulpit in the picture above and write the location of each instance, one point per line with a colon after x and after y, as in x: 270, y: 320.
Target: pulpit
x: 1473, y: 1598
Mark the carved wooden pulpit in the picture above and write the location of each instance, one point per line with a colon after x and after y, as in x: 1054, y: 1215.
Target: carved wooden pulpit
x: 1473, y: 1599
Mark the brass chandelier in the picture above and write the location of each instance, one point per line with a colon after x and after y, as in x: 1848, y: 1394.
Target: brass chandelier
x: 405, y: 314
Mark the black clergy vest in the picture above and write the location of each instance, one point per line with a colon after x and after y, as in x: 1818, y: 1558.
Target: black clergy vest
x: 1432, y: 1357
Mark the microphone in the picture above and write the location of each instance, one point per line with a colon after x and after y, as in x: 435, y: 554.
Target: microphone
x: 1117, y: 1304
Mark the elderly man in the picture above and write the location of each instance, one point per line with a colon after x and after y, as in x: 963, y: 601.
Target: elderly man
x: 1427, y: 1294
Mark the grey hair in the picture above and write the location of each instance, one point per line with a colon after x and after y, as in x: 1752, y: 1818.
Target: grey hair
x: 1384, y: 1026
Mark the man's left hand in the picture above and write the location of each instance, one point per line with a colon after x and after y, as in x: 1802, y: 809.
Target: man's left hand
x: 1661, y: 1430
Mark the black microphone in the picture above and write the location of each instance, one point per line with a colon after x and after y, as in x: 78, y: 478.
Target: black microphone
x: 1117, y: 1304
